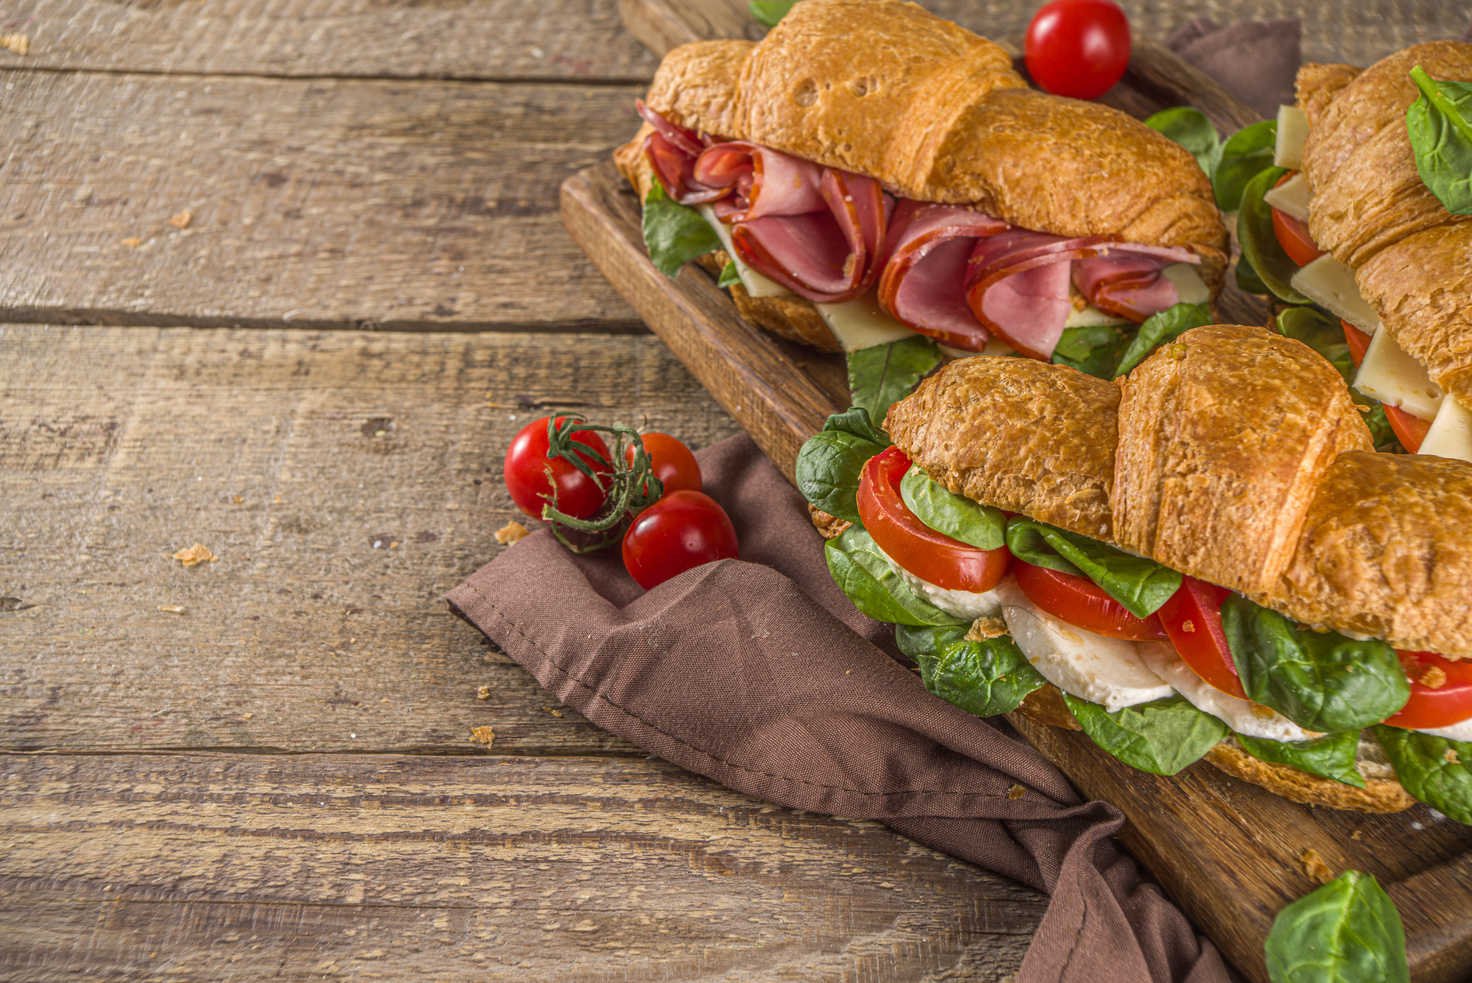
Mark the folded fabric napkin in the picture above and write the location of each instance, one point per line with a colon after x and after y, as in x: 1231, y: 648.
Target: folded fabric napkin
x: 761, y: 674
x: 1255, y: 60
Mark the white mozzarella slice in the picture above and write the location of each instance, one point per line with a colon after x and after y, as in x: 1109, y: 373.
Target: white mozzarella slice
x: 1107, y: 671
x: 1189, y: 285
x: 756, y: 285
x: 1291, y: 197
x: 961, y: 603
x: 1396, y: 379
x: 1243, y: 716
x: 1456, y: 732
x: 1451, y: 432
x: 994, y: 346
x: 862, y: 323
x: 1329, y: 282
x: 1292, y: 132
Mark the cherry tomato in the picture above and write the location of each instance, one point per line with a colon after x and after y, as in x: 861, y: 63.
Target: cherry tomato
x: 1078, y: 48
x: 1409, y: 430
x: 1193, y: 620
x: 579, y: 495
x: 1293, y: 234
x: 673, y: 463
x: 682, y: 530
x: 929, y: 555
x: 1083, y: 603
x: 1441, y: 691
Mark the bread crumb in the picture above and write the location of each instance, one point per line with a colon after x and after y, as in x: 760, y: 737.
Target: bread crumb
x: 984, y: 628
x: 1016, y: 792
x: 1433, y: 678
x: 828, y: 526
x: 246, y: 716
x: 182, y: 220
x: 555, y: 713
x: 171, y: 608
x: 132, y: 242
x: 482, y: 735
x: 195, y: 555
x: 512, y: 532
x: 1355, y: 835
x: 1188, y: 625
x: 484, y: 693
x: 17, y: 42
x: 1451, y: 756
x: 1314, y: 866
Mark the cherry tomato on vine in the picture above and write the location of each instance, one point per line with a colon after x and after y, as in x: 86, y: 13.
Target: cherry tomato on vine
x: 673, y: 462
x: 525, y: 471
x: 1083, y: 603
x: 682, y: 530
x: 1077, y: 48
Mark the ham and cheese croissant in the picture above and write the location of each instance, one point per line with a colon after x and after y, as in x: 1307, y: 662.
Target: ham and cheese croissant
x: 868, y: 150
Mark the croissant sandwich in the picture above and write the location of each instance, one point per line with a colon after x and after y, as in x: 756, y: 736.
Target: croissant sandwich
x: 872, y: 170
x: 1366, y: 234
x: 1206, y: 558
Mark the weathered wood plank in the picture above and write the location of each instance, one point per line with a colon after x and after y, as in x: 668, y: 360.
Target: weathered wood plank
x: 321, y: 626
x: 305, y: 866
x: 322, y: 203
x: 469, y: 39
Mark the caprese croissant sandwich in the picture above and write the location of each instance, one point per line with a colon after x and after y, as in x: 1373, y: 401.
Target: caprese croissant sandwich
x: 1207, y: 558
x: 871, y: 170
x: 1372, y: 220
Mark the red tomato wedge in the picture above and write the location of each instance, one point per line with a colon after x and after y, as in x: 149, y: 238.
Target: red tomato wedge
x: 1083, y: 604
x: 1409, y: 430
x: 929, y: 555
x: 1441, y: 691
x: 1293, y: 234
x: 1193, y: 620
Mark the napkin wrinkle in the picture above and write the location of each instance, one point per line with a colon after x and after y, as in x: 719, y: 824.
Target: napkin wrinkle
x: 1255, y: 60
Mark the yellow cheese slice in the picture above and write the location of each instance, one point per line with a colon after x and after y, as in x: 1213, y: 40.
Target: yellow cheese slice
x: 1396, y: 379
x: 1292, y: 131
x: 1328, y: 282
x: 1451, y: 432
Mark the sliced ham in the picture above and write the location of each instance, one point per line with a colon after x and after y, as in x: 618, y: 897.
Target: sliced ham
x: 1018, y: 286
x: 764, y: 182
x: 922, y: 285
x: 1127, y: 279
x: 686, y: 141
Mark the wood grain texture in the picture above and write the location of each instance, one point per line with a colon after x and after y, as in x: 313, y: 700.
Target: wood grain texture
x: 467, y: 39
x: 323, y: 203
x: 346, y: 481
x: 1231, y: 854
x: 311, y: 866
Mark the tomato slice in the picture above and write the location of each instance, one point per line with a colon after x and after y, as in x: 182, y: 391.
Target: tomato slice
x: 1293, y: 234
x: 1441, y: 691
x: 1083, y: 603
x: 1193, y: 620
x: 929, y: 555
x: 1409, y: 430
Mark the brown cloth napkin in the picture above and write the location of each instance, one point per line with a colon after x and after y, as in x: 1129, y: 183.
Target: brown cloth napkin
x: 1255, y: 60
x: 760, y: 674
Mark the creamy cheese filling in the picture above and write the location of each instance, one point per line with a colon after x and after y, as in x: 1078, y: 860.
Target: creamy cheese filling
x: 961, y: 603
x: 1456, y: 732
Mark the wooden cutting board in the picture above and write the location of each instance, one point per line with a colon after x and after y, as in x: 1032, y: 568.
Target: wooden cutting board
x: 1231, y: 854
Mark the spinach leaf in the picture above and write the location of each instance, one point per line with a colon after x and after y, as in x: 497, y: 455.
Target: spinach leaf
x: 1161, y: 737
x: 1141, y: 585
x: 1166, y: 325
x: 861, y: 572
x: 1247, y: 279
x: 1192, y: 130
x: 955, y: 515
x: 1319, y: 680
x: 1440, y: 126
x: 982, y: 678
x: 1243, y: 157
x: 1347, y: 931
x: 1320, y: 332
x: 1332, y: 756
x: 1094, y: 349
x: 1436, y: 770
x: 729, y: 276
x: 769, y: 12
x: 830, y: 462
x: 1381, y: 432
x: 882, y: 374
x: 674, y: 233
x: 1259, y: 243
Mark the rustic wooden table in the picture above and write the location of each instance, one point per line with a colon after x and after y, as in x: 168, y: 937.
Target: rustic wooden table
x: 283, y: 278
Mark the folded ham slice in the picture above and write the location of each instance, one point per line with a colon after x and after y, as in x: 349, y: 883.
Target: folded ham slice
x: 1127, y: 280
x: 673, y: 152
x: 929, y: 246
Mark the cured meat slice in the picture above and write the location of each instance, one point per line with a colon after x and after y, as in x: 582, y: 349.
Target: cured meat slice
x: 923, y: 283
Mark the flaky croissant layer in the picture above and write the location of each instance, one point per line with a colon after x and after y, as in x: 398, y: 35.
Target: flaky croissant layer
x: 1233, y: 455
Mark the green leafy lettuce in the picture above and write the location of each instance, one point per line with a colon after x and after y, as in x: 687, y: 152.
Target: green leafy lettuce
x: 1332, y: 756
x: 1191, y: 129
x: 1141, y: 585
x: 1322, y: 681
x: 984, y: 678
x: 769, y: 12
x: 1160, y: 737
x: 1244, y: 156
x: 674, y: 233
x: 955, y: 515
x: 1094, y: 349
x: 861, y: 572
x: 1260, y: 247
x: 881, y: 374
x: 1436, y: 770
x: 1166, y: 325
x: 729, y: 276
x: 1440, y: 126
x: 830, y: 462
x: 1347, y: 931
